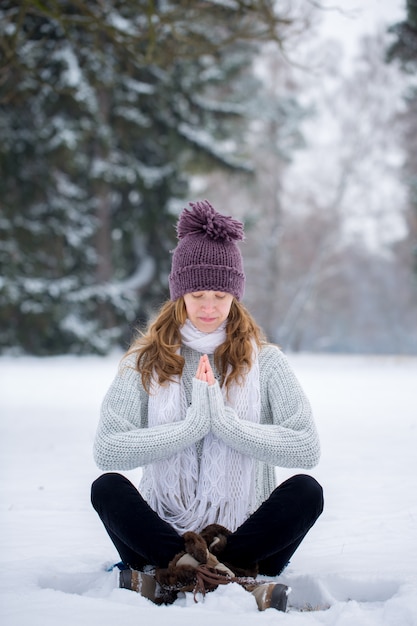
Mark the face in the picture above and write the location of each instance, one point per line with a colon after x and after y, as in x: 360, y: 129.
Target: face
x: 206, y: 310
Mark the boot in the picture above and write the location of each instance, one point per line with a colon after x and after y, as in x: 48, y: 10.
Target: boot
x: 270, y: 595
x: 147, y: 586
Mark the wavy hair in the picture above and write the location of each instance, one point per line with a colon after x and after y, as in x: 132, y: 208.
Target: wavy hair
x: 157, y: 350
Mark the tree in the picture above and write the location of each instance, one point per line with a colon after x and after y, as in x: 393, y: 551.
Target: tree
x: 404, y: 51
x: 274, y: 135
x: 106, y: 109
x: 324, y: 255
x: 339, y: 251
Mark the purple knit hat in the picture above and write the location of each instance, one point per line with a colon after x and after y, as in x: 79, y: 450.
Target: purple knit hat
x: 207, y: 257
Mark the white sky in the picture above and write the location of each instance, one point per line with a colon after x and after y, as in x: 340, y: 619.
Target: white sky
x: 348, y: 20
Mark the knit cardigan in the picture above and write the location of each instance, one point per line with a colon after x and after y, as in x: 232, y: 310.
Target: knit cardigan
x: 286, y: 435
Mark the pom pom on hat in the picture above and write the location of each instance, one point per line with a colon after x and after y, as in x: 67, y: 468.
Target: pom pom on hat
x: 207, y: 257
x: 205, y: 220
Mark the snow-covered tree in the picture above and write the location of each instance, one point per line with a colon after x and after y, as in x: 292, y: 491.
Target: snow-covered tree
x: 326, y: 208
x: 106, y: 109
x: 350, y: 215
x: 404, y: 52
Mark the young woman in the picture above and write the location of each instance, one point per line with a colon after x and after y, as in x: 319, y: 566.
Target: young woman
x: 207, y: 408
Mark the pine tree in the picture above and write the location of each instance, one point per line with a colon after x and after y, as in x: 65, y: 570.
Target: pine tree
x: 106, y: 108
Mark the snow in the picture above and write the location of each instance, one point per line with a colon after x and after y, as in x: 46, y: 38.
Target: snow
x: 359, y: 559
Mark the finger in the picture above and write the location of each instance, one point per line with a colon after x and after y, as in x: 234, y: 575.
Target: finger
x: 200, y: 374
x: 209, y: 372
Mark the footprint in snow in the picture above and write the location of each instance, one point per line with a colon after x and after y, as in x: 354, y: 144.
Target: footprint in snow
x: 312, y: 594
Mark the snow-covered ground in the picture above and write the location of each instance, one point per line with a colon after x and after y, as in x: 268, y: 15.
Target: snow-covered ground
x: 360, y: 559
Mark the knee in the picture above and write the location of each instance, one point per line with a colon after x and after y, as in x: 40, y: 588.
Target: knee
x: 102, y: 486
x: 310, y: 492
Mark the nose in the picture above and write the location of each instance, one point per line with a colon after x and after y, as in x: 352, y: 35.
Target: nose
x: 207, y: 303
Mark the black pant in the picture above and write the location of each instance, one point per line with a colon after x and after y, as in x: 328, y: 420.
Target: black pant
x: 268, y: 537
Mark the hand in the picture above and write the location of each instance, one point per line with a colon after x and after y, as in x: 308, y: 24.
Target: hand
x: 204, y: 371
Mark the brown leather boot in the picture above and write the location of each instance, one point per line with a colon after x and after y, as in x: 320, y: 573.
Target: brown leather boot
x: 147, y: 586
x: 270, y: 595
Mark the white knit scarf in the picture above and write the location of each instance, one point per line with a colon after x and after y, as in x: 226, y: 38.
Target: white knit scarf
x: 188, y: 492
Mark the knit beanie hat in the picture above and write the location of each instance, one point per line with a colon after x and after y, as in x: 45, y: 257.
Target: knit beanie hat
x: 207, y: 257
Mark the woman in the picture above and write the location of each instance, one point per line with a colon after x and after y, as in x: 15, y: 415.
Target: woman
x: 208, y: 409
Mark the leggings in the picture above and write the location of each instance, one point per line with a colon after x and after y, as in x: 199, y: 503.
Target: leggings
x: 269, y: 537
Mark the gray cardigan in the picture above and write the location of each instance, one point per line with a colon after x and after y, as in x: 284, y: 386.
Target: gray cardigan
x: 286, y: 435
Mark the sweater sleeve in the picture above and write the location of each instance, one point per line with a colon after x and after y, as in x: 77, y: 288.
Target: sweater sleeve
x: 288, y: 438
x: 121, y: 443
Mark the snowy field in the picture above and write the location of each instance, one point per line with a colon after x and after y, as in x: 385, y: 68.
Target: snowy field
x: 358, y: 565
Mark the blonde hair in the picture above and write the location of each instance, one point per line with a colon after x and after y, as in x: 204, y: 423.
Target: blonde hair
x: 157, y: 350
